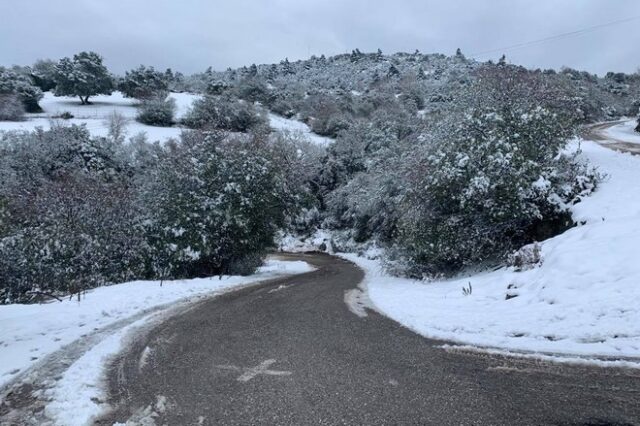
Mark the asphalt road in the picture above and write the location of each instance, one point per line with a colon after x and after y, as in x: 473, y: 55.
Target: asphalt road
x: 290, y: 352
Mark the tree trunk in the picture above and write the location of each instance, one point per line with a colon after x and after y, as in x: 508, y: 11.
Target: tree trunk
x: 82, y: 101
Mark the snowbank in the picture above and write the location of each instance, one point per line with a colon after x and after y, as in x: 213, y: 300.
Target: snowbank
x: 584, y: 300
x: 31, y: 332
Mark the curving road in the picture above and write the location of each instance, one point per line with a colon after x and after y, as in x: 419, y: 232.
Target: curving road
x: 290, y: 352
x: 596, y: 133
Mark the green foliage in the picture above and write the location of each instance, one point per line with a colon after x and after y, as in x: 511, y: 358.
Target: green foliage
x: 480, y: 190
x: 71, y: 220
x: 215, y: 201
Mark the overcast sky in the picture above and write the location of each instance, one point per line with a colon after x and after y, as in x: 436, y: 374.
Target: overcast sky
x: 189, y: 35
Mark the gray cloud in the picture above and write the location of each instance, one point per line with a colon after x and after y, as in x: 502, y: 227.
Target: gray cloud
x: 190, y: 35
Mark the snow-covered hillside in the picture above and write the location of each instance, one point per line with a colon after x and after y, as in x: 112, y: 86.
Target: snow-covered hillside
x: 584, y: 299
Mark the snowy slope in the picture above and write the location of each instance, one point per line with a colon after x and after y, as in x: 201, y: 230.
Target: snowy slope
x: 94, y: 116
x: 280, y: 123
x: 583, y: 300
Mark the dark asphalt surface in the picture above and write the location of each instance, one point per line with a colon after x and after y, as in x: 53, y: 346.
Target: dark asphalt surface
x: 344, y: 370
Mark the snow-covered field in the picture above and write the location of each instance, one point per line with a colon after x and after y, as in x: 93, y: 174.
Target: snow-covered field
x: 624, y: 131
x: 95, y: 115
x: 583, y: 300
x: 31, y: 333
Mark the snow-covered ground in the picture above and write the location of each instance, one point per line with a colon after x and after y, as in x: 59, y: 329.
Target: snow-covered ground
x: 583, y: 300
x: 31, y: 334
x: 280, y: 123
x: 95, y: 115
x: 624, y: 131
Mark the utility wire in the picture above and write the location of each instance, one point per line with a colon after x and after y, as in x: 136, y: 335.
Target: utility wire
x: 554, y: 37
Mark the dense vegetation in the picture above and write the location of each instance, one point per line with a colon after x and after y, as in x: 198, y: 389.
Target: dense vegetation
x: 445, y: 162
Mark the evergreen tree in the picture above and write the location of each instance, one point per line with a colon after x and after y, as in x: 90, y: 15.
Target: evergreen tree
x: 144, y: 83
x: 83, y: 76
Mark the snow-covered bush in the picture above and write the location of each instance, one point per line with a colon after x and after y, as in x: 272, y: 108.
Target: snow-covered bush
x: 157, y: 112
x: 20, y: 85
x: 254, y: 90
x: 223, y: 113
x: 11, y: 109
x: 43, y: 72
x: 73, y: 218
x: 489, y: 185
x: 84, y: 76
x: 216, y: 203
x: 144, y: 83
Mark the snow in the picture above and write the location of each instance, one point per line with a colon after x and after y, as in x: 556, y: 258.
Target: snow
x: 624, y: 131
x: 283, y: 124
x: 582, y: 301
x: 94, y: 116
x: 31, y: 332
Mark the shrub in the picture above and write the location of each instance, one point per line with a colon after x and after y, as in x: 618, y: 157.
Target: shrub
x: 223, y: 113
x: 157, y: 112
x: 11, y: 109
x: 216, y: 204
x: 66, y: 115
x: 485, y: 189
x: 117, y: 127
x: 73, y: 218
x: 20, y: 85
x: 144, y: 83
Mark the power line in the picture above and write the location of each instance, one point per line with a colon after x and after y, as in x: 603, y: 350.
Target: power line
x: 554, y: 37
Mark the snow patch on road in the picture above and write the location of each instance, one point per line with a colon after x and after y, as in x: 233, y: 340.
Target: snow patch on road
x: 356, y: 302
